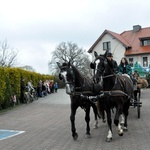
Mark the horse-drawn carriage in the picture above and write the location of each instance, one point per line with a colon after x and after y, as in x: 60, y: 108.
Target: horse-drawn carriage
x: 141, y: 83
x: 117, y: 91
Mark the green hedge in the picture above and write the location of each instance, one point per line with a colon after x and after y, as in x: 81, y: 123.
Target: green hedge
x: 3, y: 77
x: 10, y: 83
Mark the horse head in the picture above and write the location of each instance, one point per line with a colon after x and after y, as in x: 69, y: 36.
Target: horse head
x: 101, y: 66
x: 67, y: 75
x: 136, y: 75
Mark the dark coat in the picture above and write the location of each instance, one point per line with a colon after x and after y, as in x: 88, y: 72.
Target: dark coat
x: 113, y: 65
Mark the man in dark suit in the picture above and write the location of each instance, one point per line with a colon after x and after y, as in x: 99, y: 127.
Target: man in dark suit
x: 113, y: 62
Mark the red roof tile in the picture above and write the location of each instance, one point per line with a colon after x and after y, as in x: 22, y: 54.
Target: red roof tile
x: 133, y: 38
x: 120, y: 38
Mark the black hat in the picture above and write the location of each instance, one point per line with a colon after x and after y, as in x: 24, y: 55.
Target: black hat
x: 109, y: 55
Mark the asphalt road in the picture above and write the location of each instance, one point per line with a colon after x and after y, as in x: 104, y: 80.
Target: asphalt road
x: 45, y: 125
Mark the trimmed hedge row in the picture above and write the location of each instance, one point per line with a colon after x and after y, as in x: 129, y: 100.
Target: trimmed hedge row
x: 10, y: 83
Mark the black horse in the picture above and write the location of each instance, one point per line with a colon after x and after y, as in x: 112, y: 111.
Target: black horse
x: 117, y: 92
x: 76, y: 85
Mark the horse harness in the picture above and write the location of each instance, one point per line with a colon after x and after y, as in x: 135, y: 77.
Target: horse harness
x: 102, y: 94
x: 91, y: 95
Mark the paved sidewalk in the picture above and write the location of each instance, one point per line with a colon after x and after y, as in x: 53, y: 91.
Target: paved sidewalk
x: 47, y: 127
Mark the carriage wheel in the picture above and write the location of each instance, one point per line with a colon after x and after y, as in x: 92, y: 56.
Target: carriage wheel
x: 138, y: 107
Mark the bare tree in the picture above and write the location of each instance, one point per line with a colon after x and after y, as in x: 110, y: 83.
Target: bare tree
x: 28, y: 68
x: 70, y: 52
x: 8, y: 56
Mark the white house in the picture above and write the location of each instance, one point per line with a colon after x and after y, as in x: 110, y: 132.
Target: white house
x: 132, y: 44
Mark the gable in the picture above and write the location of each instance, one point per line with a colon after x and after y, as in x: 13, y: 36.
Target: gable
x: 117, y: 47
x: 113, y: 35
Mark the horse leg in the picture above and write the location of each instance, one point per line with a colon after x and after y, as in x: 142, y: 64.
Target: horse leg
x: 109, y: 122
x: 122, y: 120
x: 116, y: 121
x: 72, y: 119
x: 126, y: 113
x: 87, y: 119
x: 101, y: 110
x: 95, y: 115
x: 103, y: 116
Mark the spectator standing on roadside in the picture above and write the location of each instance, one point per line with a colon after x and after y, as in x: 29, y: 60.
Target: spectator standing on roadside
x: 30, y: 86
x: 44, y: 90
x: 56, y: 87
x: 23, y: 86
x: 39, y: 88
x: 51, y: 85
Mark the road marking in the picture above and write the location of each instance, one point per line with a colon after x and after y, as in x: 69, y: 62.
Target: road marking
x: 5, y: 134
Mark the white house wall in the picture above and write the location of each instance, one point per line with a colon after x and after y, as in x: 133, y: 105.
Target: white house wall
x: 116, y: 47
x: 139, y: 59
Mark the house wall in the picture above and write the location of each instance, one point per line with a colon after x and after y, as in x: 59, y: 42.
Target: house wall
x: 117, y: 49
x: 139, y: 59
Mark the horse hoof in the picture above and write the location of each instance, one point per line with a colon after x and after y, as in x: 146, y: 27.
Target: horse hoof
x: 120, y: 134
x: 95, y: 126
x: 125, y: 129
x: 122, y: 124
x: 108, y: 139
x: 104, y: 120
x: 87, y: 136
x: 75, y: 136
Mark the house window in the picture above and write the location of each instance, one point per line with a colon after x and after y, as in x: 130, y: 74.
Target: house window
x: 106, y: 46
x: 145, y: 62
x: 145, y: 42
x: 131, y: 62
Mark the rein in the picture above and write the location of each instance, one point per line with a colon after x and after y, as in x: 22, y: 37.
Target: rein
x: 69, y: 83
x: 108, y: 76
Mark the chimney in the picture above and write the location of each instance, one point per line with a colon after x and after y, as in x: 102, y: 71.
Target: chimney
x: 136, y: 28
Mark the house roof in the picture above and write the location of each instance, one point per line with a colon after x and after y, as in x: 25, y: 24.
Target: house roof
x: 130, y: 40
x: 133, y: 38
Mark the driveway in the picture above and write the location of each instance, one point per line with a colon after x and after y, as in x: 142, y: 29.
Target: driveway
x: 45, y: 125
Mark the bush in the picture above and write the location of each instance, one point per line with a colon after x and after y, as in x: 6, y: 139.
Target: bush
x: 10, y: 83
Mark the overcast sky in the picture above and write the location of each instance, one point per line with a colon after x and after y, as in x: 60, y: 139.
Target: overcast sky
x: 36, y: 27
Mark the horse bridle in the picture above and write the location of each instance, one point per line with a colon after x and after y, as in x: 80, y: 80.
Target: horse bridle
x: 69, y: 82
x: 107, y: 76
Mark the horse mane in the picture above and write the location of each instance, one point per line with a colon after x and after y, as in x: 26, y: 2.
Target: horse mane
x: 64, y: 64
x: 76, y: 70
x: 80, y: 76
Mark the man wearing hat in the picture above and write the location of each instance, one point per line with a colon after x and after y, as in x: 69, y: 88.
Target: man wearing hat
x: 113, y: 62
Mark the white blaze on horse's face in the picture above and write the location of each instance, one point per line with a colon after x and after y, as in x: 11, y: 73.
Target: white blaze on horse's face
x: 64, y: 76
x: 69, y: 87
x: 96, y: 65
